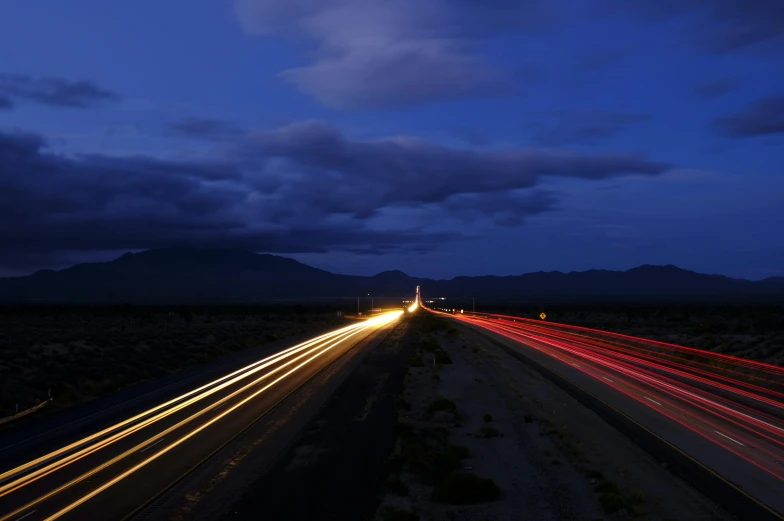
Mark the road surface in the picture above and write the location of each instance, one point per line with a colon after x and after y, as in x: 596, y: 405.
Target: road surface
x: 725, y: 412
x: 111, y: 473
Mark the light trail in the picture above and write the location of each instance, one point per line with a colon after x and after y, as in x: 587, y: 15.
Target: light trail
x: 734, y: 403
x: 243, y: 372
x: 86, y: 449
x: 245, y: 380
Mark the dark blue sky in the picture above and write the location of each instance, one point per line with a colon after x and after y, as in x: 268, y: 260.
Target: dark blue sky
x: 437, y: 137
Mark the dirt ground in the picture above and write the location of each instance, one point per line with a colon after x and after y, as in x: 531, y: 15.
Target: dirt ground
x: 551, y: 458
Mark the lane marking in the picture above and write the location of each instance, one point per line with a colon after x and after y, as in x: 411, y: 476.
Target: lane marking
x: 151, y: 446
x: 731, y: 439
x: 652, y: 400
x: 606, y: 378
x: 26, y: 515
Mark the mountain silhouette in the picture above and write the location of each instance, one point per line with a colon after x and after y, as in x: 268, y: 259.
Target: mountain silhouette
x: 183, y: 275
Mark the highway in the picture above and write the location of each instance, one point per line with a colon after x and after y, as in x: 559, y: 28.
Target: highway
x: 723, y: 411
x: 109, y: 474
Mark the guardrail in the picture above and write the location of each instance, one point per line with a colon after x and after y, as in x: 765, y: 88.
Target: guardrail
x: 25, y: 412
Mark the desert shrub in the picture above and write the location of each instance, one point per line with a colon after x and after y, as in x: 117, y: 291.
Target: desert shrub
x: 438, y: 435
x: 415, y: 361
x: 391, y: 513
x: 610, y: 496
x: 594, y: 474
x: 395, y: 485
x: 394, y: 463
x: 402, y: 403
x: 428, y: 455
x: 488, y: 431
x: 442, y: 357
x: 442, y: 404
x: 430, y: 344
x: 465, y: 488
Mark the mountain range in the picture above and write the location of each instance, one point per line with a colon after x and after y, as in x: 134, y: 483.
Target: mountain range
x: 209, y: 275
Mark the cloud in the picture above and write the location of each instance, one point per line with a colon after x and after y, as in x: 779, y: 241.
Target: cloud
x: 712, y: 89
x: 54, y: 208
x: 722, y: 25
x: 763, y: 117
x: 373, y: 53
x: 205, y: 128
x: 303, y: 187
x: 470, y: 137
x: 502, y: 208
x: 55, y: 92
x: 582, y: 127
x: 357, y: 176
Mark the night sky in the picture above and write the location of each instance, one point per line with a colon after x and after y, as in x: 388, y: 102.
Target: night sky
x: 437, y: 137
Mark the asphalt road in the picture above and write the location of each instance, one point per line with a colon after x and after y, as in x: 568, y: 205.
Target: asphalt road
x: 109, y: 474
x: 729, y: 425
x: 334, y: 469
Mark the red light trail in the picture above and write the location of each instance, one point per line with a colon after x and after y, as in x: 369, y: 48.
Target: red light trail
x: 734, y: 403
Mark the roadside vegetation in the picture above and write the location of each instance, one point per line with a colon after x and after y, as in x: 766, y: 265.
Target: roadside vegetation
x: 427, y: 466
x: 81, y: 353
x: 756, y: 333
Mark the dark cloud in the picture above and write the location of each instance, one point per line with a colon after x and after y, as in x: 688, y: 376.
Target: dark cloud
x: 582, y: 127
x: 502, y: 208
x: 391, y: 52
x: 722, y: 25
x: 763, y: 117
x: 470, y: 137
x: 52, y: 206
x: 301, y: 188
x: 712, y: 89
x: 6, y: 103
x: 595, y: 60
x: 206, y: 129
x: 56, y: 92
x: 357, y: 177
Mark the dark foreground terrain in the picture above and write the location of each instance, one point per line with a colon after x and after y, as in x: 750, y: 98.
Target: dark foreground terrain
x: 429, y: 419
x: 83, y: 352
